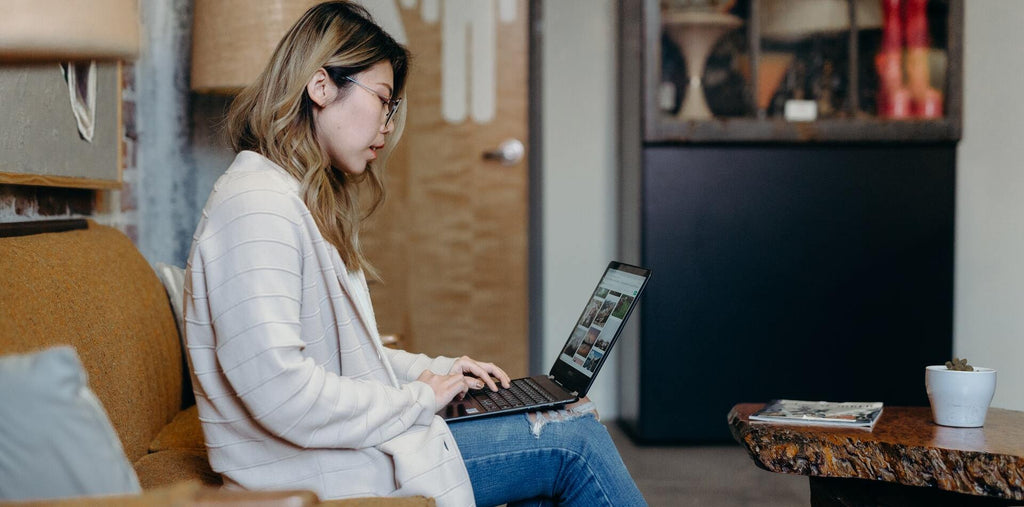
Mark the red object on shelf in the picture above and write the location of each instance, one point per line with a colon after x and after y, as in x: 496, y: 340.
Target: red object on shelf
x: 929, y: 105
x: 916, y: 23
x: 893, y: 97
x: 900, y: 98
x: 892, y: 27
x: 925, y: 101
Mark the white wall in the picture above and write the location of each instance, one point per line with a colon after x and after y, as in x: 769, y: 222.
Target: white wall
x: 579, y: 169
x: 989, y: 295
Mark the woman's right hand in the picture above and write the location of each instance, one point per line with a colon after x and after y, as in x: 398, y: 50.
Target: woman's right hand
x: 447, y: 387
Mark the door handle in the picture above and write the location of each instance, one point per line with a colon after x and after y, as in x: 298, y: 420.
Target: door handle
x: 509, y: 152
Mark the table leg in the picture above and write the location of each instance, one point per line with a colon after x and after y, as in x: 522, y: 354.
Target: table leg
x: 841, y: 492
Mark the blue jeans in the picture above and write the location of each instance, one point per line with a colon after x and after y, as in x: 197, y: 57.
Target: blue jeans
x: 572, y: 462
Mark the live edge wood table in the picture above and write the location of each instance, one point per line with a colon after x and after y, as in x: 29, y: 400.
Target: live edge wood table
x: 906, y: 460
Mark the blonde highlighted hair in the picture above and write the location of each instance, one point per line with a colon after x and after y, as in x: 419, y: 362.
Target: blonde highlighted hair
x: 274, y: 116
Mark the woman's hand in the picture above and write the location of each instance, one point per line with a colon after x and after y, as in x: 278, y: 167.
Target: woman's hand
x: 446, y: 387
x: 482, y: 371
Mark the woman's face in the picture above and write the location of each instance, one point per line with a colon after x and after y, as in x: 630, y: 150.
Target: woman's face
x: 350, y: 126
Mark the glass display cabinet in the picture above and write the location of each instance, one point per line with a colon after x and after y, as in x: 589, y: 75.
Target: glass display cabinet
x: 798, y: 70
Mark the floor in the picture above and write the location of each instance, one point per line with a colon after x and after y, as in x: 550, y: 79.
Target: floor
x: 706, y: 476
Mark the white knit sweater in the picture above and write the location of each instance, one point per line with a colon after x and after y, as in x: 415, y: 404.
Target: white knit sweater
x: 293, y: 386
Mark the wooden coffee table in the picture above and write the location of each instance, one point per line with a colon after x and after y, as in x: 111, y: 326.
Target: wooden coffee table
x: 907, y: 460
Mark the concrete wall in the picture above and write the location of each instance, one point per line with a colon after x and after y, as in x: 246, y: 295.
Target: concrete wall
x: 181, y: 149
x: 166, y: 185
x: 989, y: 294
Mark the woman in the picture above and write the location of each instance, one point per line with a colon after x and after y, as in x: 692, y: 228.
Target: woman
x: 293, y: 386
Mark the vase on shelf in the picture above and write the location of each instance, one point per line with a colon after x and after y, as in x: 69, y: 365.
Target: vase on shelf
x: 696, y: 32
x: 772, y: 67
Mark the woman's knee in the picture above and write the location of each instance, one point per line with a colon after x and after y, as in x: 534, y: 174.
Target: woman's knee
x: 582, y: 436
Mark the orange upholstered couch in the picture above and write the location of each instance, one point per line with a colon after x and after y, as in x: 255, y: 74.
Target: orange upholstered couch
x: 91, y: 289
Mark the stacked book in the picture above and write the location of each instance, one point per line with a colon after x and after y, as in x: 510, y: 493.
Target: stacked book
x: 824, y: 413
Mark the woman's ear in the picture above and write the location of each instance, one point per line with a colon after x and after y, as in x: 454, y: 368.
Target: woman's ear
x: 320, y: 88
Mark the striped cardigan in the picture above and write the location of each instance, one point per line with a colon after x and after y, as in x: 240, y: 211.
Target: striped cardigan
x: 293, y: 386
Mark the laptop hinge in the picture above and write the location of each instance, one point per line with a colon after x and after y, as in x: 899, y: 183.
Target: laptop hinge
x: 556, y: 382
x: 559, y: 384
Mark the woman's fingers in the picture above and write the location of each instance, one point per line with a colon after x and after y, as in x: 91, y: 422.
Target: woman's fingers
x: 501, y: 375
x: 464, y: 365
x: 454, y: 385
x: 446, y: 387
x: 459, y: 385
x: 493, y: 372
x: 483, y: 371
x: 480, y: 371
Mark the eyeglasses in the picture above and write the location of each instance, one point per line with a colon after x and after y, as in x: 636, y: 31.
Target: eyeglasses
x: 390, y: 105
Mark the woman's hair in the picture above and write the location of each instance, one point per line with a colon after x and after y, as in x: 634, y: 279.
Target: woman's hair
x: 274, y: 116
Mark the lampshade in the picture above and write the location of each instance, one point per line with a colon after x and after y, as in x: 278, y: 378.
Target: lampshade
x: 59, y: 30
x: 232, y: 40
x: 789, y: 19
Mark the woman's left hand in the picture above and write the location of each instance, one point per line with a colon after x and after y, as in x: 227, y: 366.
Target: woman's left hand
x: 483, y: 371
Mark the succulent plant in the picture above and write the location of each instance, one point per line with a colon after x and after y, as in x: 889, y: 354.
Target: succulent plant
x: 959, y: 365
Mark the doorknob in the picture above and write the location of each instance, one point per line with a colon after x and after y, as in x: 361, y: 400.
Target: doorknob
x: 509, y: 152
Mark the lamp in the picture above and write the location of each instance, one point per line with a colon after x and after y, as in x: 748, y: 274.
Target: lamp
x: 60, y: 30
x: 232, y: 40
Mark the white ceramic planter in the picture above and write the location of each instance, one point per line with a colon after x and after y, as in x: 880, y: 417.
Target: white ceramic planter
x: 959, y: 398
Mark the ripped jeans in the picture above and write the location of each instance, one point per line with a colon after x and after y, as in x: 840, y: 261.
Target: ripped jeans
x: 570, y: 462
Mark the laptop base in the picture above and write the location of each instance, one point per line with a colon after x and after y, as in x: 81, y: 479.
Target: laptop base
x: 479, y: 402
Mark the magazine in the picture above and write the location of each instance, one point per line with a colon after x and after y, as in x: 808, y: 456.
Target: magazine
x: 827, y: 413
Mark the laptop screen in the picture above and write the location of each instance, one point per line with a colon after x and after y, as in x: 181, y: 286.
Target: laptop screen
x: 599, y: 324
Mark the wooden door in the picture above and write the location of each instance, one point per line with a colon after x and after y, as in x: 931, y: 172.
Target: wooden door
x: 451, y: 240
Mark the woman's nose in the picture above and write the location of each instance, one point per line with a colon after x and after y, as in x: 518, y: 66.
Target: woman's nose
x: 387, y: 127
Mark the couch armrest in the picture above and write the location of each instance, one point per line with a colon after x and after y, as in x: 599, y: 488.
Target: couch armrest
x: 214, y: 497
x: 197, y: 494
x: 208, y: 496
x: 409, y: 501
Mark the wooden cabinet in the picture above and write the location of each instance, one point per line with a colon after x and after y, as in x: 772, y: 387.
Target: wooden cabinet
x: 809, y: 260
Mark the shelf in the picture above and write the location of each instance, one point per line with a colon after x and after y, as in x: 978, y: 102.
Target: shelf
x: 752, y: 130
x: 648, y: 68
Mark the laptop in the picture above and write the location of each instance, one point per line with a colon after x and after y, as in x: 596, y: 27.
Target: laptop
x: 592, y: 337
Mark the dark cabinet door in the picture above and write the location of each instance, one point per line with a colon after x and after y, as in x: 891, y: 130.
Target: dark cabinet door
x: 805, y: 272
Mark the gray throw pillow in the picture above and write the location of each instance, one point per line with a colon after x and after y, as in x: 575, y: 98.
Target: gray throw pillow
x: 55, y: 438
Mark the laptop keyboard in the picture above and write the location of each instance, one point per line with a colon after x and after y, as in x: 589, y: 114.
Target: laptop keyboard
x: 521, y: 392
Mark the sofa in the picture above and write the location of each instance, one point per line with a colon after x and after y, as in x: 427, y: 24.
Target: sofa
x: 77, y: 284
